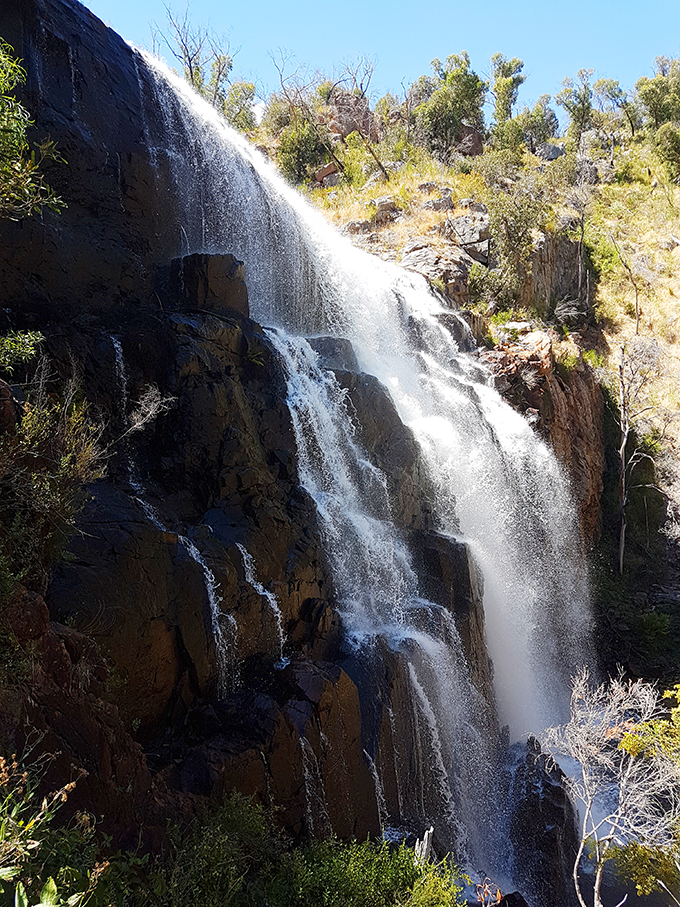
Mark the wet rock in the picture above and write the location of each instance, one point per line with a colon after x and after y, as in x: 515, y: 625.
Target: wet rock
x: 212, y: 282
x: 335, y: 353
x: 82, y: 90
x: 299, y: 753
x: 566, y: 406
x: 450, y: 578
x: 390, y: 446
x: 542, y: 827
x: 217, y: 468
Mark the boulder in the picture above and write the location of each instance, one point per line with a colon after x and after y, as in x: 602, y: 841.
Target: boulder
x: 348, y: 112
x: 447, y: 267
x: 443, y: 203
x: 386, y: 210
x: 469, y: 141
x: 326, y: 170
x: 358, y: 226
x: 467, y: 229
x: 547, y: 151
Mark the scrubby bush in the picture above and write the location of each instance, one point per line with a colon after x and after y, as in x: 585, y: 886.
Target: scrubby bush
x: 668, y: 149
x: 301, y: 151
x: 23, y: 190
x: 232, y: 857
x: 45, y: 463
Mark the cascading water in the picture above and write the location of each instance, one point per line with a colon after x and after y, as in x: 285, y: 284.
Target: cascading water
x: 496, y: 486
x: 269, y: 597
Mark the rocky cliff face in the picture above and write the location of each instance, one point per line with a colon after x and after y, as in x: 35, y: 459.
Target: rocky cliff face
x: 198, y: 574
x: 565, y: 404
x: 82, y: 89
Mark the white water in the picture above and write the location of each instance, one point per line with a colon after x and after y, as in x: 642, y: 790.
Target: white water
x: 496, y: 485
x: 269, y: 597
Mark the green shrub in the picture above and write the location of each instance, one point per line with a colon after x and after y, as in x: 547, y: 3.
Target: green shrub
x: 18, y: 347
x: 668, y: 149
x: 232, y: 857
x: 301, y: 151
x: 594, y: 359
x: 23, y: 190
x: 227, y: 857
x: 45, y: 464
x: 332, y: 874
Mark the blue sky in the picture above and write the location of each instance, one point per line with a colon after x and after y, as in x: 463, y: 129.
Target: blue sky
x: 618, y: 39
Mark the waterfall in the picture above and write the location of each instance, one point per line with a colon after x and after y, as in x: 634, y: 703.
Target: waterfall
x: 495, y: 485
x: 270, y: 598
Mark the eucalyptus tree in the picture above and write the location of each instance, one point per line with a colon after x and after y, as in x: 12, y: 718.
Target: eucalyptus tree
x: 577, y: 99
x: 456, y: 100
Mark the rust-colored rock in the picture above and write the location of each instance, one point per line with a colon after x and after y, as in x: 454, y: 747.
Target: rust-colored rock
x: 59, y: 710
x: 565, y: 404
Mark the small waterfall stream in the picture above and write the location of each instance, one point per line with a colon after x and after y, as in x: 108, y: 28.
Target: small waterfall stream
x: 223, y: 624
x: 270, y: 598
x: 496, y: 485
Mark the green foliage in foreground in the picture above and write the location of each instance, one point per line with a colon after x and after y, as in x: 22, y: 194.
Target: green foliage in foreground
x: 233, y: 858
x: 654, y: 868
x: 44, y: 467
x: 18, y: 347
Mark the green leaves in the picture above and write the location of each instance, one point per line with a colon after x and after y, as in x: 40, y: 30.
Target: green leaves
x: 18, y: 347
x: 23, y: 190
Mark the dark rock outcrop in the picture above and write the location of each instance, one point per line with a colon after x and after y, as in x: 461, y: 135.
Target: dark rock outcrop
x: 63, y: 713
x: 553, y: 272
x: 83, y: 90
x: 543, y: 828
x: 158, y: 559
x: 564, y: 403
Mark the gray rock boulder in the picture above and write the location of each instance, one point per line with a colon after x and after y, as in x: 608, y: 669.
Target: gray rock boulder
x: 549, y: 152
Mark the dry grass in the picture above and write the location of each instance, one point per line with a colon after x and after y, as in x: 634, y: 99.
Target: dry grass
x: 344, y: 203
